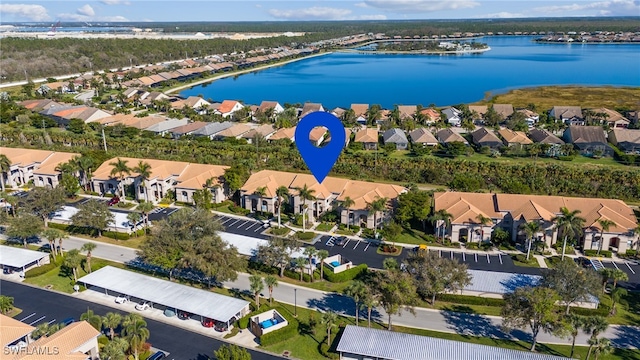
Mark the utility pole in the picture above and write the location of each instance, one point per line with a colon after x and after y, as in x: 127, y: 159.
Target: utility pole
x: 104, y: 140
x: 130, y: 63
x: 25, y: 75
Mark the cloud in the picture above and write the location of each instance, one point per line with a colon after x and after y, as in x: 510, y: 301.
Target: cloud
x: 86, y: 10
x: 371, y: 17
x: 502, y: 15
x: 360, y: 5
x: 312, y: 13
x: 605, y: 8
x: 414, y: 6
x: 80, y: 17
x: 28, y: 11
x: 115, y: 2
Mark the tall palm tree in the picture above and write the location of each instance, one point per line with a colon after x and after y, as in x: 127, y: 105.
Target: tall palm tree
x: 134, y: 217
x: 144, y: 173
x: 5, y: 165
x: 310, y: 252
x: 605, y: 225
x: 322, y: 254
x: 575, y: 323
x: 369, y: 301
x: 347, y: 203
x: 616, y: 295
x: 282, y: 192
x: 145, y: 208
x: 374, y: 207
x: 569, y: 224
x: 72, y: 261
x: 299, y: 263
x: 52, y: 235
x: 594, y: 325
x: 530, y: 228
x: 136, y: 332
x: 618, y: 275
x: 120, y: 169
x: 439, y: 219
x: 482, y: 221
x: 600, y: 346
x: 329, y: 319
x: 88, y: 247
x: 305, y: 194
x: 356, y: 290
x: 115, y: 350
x: 92, y: 318
x: 85, y: 164
x: 271, y: 282
x: 111, y: 321
x: 256, y: 285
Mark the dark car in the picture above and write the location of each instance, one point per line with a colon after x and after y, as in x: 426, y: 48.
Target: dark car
x: 183, y: 315
x: 68, y: 321
x: 114, y: 200
x: 584, y: 262
x: 340, y: 241
x: 157, y: 356
x: 7, y: 271
x: 221, y: 326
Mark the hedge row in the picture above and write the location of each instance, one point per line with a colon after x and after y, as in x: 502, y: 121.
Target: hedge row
x: 469, y: 300
x: 243, y: 323
x: 346, y: 275
x: 602, y: 310
x: 283, y: 334
x: 40, y: 270
x: 603, y: 253
x: 80, y: 230
x: 305, y: 235
x: 305, y: 276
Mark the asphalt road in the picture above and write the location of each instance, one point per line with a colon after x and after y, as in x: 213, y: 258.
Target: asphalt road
x: 40, y: 306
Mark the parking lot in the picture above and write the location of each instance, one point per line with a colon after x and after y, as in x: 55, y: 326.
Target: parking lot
x: 632, y: 270
x: 246, y: 227
x: 161, y: 213
x: 37, y: 318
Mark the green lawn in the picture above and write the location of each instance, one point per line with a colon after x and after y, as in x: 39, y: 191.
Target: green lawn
x: 628, y: 313
x: 412, y: 236
x: 533, y: 262
x: 62, y: 280
x: 325, y: 226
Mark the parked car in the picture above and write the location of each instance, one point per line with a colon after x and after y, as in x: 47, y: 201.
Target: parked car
x: 157, y: 356
x: 584, y: 262
x: 220, y: 326
x: 169, y: 313
x: 208, y: 323
x: 121, y: 299
x: 68, y: 321
x: 114, y: 200
x: 142, y: 305
x: 183, y: 315
x: 7, y: 271
x: 340, y: 241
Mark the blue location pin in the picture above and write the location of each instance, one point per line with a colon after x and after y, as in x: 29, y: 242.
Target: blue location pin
x: 320, y: 160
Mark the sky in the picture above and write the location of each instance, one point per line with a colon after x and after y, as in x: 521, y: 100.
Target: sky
x: 294, y: 10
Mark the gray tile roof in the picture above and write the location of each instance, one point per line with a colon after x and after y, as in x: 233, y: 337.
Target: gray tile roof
x: 213, y: 128
x: 545, y: 137
x: 395, y: 136
x: 400, y: 346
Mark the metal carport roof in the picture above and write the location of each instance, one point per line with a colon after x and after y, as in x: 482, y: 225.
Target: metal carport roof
x: 167, y: 293
x: 17, y: 258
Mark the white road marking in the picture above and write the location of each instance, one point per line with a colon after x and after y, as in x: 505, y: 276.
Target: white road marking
x: 234, y: 222
x: 615, y: 265
x: 476, y: 256
x: 23, y: 319
x: 357, y: 243
x: 500, y: 258
x: 439, y: 253
x: 488, y: 260
x: 33, y: 322
x: 257, y: 229
x: 464, y: 258
x: 228, y: 219
x: 242, y: 224
x: 366, y: 247
x: 630, y: 269
x: 451, y: 255
x: 345, y: 244
x: 51, y: 322
x: 252, y: 225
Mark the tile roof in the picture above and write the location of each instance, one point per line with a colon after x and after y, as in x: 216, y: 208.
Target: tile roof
x: 12, y: 330
x: 367, y: 135
x: 263, y: 130
x: 545, y: 137
x: 482, y: 135
x: 66, y: 341
x: 431, y: 114
x: 168, y: 124
x: 310, y: 107
x: 514, y: 137
x: 396, y: 136
x: 190, y: 127
x: 424, y: 136
x: 360, y: 109
x: 227, y: 106
x: 586, y: 134
x: 504, y: 110
x: 267, y: 105
x: 626, y: 135
x: 449, y: 136
x: 407, y: 111
x: 45, y: 160
x: 235, y: 130
x: 612, y: 115
x: 40, y: 104
x: 480, y: 109
x: 317, y: 133
x: 284, y: 133
x: 213, y: 128
x: 567, y: 112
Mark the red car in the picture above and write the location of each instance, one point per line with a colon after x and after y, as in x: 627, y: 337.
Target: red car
x: 208, y: 323
x: 114, y: 200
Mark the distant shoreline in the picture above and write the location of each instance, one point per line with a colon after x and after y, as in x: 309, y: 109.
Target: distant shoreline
x: 246, y: 71
x: 415, y: 52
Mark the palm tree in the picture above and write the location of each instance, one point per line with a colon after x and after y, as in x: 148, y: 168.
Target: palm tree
x: 88, y: 247
x: 600, y: 346
x: 636, y: 231
x: 282, y: 192
x: 356, y: 290
x: 329, y: 319
x: 569, y: 223
x: 256, y: 285
x: 144, y: 172
x: 52, y: 235
x: 85, y: 164
x: 133, y: 218
x: 482, y: 221
x: 606, y: 274
x: 530, y: 228
x: 120, y: 169
x: 439, y: 219
x: 115, y: 350
x: 145, y: 208
x: 5, y: 166
x: 605, y: 224
x: 575, y: 323
x: 310, y: 252
x: 299, y: 264
x: 72, y: 261
x: 136, y: 332
x: 594, y: 325
x: 92, y: 318
x: 377, y: 205
x: 322, y: 254
x: 260, y: 191
x: 618, y: 275
x: 616, y: 295
x: 347, y: 203
x: 271, y: 282
x: 111, y: 321
x: 305, y: 194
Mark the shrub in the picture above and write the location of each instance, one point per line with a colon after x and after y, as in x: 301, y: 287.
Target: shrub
x: 602, y: 310
x: 603, y: 253
x: 523, y: 259
x: 325, y: 350
x: 259, y: 266
x: 469, y: 300
x: 116, y: 235
x: 305, y: 235
x: 566, y: 158
x: 103, y: 340
x: 471, y: 245
x: 37, y: 271
x: 283, y: 334
x: 631, y: 252
x: 280, y: 231
x: 346, y: 275
x: 367, y: 233
x: 238, y: 210
x: 58, y: 226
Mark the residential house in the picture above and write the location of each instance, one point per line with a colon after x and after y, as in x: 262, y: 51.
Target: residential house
x: 590, y: 140
x: 194, y: 102
x: 367, y: 136
x: 164, y: 127
x: 485, y: 137
x: 37, y: 166
x: 431, y: 115
x: 14, y: 333
x: 309, y: 108
x: 360, y: 111
x: 182, y: 177
x: 406, y: 112
x: 530, y: 117
x: 228, y: 107
x: 397, y: 137
x: 317, y: 135
x: 187, y: 129
x: 503, y: 110
x: 234, y: 131
x: 514, y: 138
x: 614, y: 119
x: 328, y: 196
x: 131, y: 120
x: 454, y: 116
x: 447, y: 136
x: 347, y: 137
x: 271, y: 106
x: 478, y: 112
x: 545, y: 137
x: 263, y: 131
x: 85, y: 113
x: 424, y: 137
x: 284, y: 133
x: 626, y: 140
x: 338, y: 112
x: 510, y: 211
x: 39, y: 105
x: 152, y: 97
x: 570, y: 115
x: 212, y: 129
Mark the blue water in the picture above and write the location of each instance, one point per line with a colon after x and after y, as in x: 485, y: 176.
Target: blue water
x: 340, y: 79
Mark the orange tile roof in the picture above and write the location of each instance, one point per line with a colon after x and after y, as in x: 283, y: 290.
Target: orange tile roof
x: 227, y: 106
x: 196, y: 175
x: 368, y: 135
x: 265, y: 105
x: 67, y: 113
x: 45, y: 160
x: 12, y: 330
x: 284, y: 133
x: 431, y: 114
x: 317, y: 133
x: 514, y: 137
x: 65, y: 341
x: 360, y: 109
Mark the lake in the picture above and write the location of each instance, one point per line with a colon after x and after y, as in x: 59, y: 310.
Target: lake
x: 340, y: 79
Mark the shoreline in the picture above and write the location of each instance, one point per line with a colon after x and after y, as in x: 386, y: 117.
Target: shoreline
x: 241, y: 72
x: 415, y: 52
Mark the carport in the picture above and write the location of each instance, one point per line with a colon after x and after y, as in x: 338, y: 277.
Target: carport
x: 21, y: 258
x: 157, y: 291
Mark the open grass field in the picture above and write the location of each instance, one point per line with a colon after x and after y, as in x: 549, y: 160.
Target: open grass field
x: 61, y: 279
x: 546, y: 97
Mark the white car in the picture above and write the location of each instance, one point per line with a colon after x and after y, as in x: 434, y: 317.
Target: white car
x: 122, y: 299
x: 142, y: 305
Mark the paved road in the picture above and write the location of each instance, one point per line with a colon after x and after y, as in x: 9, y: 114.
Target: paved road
x: 47, y: 306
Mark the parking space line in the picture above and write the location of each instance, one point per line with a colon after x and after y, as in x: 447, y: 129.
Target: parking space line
x: 227, y: 220
x: 439, y: 253
x: 357, y: 243
x: 500, y: 258
x: 630, y: 269
x: 51, y: 322
x: 366, y: 247
x: 252, y: 225
x: 476, y: 255
x: 464, y: 258
x: 27, y: 317
x: 33, y: 322
x: 345, y: 244
x: 234, y: 222
x: 615, y: 265
x: 488, y: 260
x: 451, y: 252
x: 257, y: 229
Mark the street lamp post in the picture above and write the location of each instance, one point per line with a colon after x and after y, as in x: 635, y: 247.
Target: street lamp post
x: 295, y: 302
